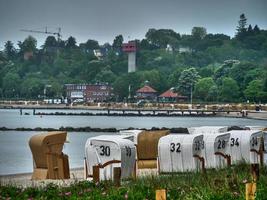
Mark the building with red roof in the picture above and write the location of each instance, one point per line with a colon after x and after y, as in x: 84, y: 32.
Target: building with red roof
x: 147, y: 93
x: 171, y: 96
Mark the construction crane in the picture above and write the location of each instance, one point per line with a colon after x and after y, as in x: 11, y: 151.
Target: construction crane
x: 58, y: 33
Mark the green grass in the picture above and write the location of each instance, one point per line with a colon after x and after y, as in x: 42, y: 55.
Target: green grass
x: 215, y: 184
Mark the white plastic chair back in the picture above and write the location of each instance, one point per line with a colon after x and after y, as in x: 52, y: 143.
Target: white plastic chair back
x: 241, y: 144
x: 176, y: 152
x: 105, y: 148
x: 133, y: 133
x: 216, y: 143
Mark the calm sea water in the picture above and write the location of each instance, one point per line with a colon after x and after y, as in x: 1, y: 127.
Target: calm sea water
x: 16, y: 157
x: 15, y: 154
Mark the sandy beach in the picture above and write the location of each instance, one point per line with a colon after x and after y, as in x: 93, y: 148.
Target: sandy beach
x: 24, y: 180
x: 76, y: 175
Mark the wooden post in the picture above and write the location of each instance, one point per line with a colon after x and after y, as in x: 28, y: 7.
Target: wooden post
x: 117, y: 176
x: 135, y: 169
x: 228, y: 160
x: 85, y: 170
x: 261, y: 151
x: 161, y: 194
x: 66, y: 166
x: 202, y: 162
x: 158, y: 165
x: 255, y: 171
x: 250, y: 191
x: 96, y: 177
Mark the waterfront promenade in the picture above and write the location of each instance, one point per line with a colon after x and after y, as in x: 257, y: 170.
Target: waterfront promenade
x: 150, y: 109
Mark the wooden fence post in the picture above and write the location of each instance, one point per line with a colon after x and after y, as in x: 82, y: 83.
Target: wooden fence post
x: 255, y: 171
x: 117, y: 176
x: 96, y: 177
x: 134, y: 175
x: 261, y: 151
x: 85, y: 170
x: 161, y: 194
x: 251, y: 191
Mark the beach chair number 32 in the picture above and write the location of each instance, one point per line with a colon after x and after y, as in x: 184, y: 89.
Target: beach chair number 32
x: 175, y: 148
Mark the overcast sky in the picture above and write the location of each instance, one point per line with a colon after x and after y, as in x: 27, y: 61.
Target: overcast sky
x: 102, y: 20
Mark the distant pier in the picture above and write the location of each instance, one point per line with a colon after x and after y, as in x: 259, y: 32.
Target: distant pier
x: 144, y: 112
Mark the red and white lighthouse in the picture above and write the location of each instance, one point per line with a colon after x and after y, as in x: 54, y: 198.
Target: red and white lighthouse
x: 130, y: 49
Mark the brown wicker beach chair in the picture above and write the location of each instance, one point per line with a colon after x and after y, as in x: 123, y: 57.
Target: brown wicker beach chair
x: 147, y: 148
x: 49, y: 161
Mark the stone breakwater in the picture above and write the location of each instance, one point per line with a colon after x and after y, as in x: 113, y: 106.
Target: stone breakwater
x: 111, y: 130
x: 191, y: 114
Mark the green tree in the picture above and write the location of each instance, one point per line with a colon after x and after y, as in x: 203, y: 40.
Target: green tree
x: 173, y: 78
x: 117, y: 42
x: 224, y: 70
x: 106, y: 76
x: 256, y: 29
x: 229, y: 90
x: 50, y: 42
x: 156, y: 79
x: 161, y: 37
x: 32, y: 87
x: 203, y: 86
x: 90, y: 70
x: 240, y: 71
x: 187, y: 80
x: 255, y: 91
x: 199, y: 33
x: 213, y: 93
x: 122, y: 83
x: 9, y: 50
x: 71, y: 43
x: 241, y: 28
x: 89, y: 46
x: 28, y: 45
x: 11, y: 85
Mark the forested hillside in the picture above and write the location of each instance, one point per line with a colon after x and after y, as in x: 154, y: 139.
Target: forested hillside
x: 217, y: 67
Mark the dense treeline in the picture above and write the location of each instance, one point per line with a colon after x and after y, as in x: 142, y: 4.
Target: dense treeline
x: 214, y: 66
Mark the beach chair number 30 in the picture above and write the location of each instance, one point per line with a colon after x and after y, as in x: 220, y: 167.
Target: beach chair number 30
x: 176, y: 147
x: 105, y: 150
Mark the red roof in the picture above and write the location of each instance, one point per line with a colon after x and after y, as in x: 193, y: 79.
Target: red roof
x: 146, y: 89
x: 170, y: 94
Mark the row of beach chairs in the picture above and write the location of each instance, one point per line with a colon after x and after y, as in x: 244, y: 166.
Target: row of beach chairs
x: 134, y: 150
